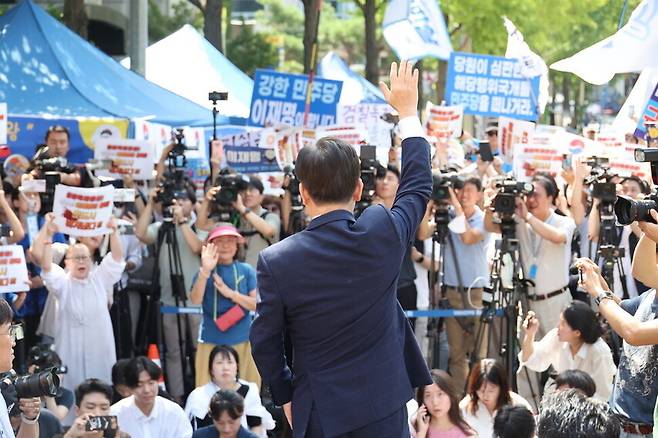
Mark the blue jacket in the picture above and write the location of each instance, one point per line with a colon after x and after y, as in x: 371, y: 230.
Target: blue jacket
x: 333, y: 288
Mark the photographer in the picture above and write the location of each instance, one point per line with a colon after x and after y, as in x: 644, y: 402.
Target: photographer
x: 468, y: 240
x: 31, y: 407
x: 57, y: 142
x: 40, y: 358
x: 626, y: 238
x: 544, y: 242
x: 188, y: 245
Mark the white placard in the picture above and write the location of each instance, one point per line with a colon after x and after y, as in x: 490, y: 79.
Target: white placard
x: 512, y: 132
x: 444, y: 122
x: 13, y: 271
x: 354, y: 135
x: 33, y: 186
x: 128, y: 157
x: 83, y: 212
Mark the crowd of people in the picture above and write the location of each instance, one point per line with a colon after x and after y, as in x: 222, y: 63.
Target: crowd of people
x: 87, y: 316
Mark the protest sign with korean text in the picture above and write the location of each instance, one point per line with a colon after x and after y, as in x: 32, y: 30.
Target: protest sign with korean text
x: 354, y: 134
x: 650, y: 114
x: 128, y: 158
x: 251, y: 159
x: 491, y: 86
x: 622, y: 162
x: 542, y: 154
x: 512, y: 132
x: 371, y: 116
x: 13, y: 270
x: 83, y: 212
x: 281, y: 98
x: 444, y: 122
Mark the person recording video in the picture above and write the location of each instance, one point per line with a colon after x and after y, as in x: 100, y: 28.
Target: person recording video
x: 29, y: 407
x: 339, y: 277
x: 56, y: 147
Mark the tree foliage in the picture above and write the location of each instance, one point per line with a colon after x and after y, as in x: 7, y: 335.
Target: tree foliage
x: 162, y: 25
x: 250, y: 50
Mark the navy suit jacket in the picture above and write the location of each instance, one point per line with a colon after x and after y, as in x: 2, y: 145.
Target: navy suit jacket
x: 332, y: 287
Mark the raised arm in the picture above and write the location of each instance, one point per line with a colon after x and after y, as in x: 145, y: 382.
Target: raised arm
x: 116, y: 248
x: 17, y: 232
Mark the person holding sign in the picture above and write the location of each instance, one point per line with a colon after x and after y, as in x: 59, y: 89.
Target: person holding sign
x: 84, y: 338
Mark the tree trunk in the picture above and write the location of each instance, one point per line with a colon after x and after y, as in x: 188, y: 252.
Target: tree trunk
x: 372, y: 53
x: 75, y: 17
x: 311, y: 17
x: 566, y: 107
x: 212, y: 23
x: 421, y: 97
x: 442, y: 72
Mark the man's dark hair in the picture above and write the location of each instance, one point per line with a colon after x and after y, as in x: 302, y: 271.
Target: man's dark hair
x: 119, y: 372
x: 227, y: 401
x: 57, y: 128
x: 6, y: 314
x: 328, y: 170
x: 514, y: 422
x: 90, y: 386
x: 569, y: 414
x: 576, y: 379
x: 394, y: 169
x: 135, y: 367
x: 476, y: 181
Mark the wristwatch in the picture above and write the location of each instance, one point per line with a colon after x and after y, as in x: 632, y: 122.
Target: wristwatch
x: 605, y: 295
x: 246, y: 211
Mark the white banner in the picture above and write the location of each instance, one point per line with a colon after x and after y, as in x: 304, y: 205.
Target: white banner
x: 13, y: 271
x: 354, y: 135
x: 512, y: 132
x: 83, y: 212
x: 631, y: 49
x: 368, y: 115
x: 128, y: 157
x: 444, y: 122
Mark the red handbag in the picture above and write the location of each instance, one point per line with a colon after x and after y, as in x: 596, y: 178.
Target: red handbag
x: 229, y: 318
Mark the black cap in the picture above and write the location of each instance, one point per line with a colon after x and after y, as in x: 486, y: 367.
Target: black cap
x: 256, y: 183
x: 491, y: 127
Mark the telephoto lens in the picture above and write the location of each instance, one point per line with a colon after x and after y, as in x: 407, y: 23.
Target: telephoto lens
x: 629, y: 210
x: 44, y: 383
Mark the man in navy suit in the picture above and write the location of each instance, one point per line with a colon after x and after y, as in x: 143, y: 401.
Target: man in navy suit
x: 332, y: 287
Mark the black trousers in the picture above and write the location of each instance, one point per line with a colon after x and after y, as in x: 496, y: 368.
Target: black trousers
x: 392, y: 426
x: 407, y: 297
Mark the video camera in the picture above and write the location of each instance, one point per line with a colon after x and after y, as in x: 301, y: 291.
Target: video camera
x: 293, y: 187
x: 600, y: 179
x: 43, y: 162
x: 371, y: 170
x: 629, y: 210
x: 174, y: 183
x: 509, y: 189
x: 443, y: 181
x: 230, y: 185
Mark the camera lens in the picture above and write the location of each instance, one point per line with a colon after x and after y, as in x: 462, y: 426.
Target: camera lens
x: 37, y: 385
x: 629, y: 210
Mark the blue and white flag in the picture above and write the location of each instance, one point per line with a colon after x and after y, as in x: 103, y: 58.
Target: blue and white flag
x: 415, y: 29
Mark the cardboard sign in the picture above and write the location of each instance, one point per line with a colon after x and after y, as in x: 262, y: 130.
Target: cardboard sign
x: 128, y: 157
x: 541, y: 155
x: 444, y: 122
x: 13, y: 270
x: 83, y: 212
x: 368, y: 115
x: 512, y: 132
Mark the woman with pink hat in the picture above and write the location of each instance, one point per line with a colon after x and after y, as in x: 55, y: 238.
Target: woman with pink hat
x: 226, y: 290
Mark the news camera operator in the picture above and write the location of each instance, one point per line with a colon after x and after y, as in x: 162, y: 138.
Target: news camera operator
x: 30, y: 407
x: 545, y: 248
x: 188, y: 245
x: 258, y: 226
x: 52, y: 157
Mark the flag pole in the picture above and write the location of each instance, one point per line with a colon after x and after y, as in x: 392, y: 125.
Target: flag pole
x: 314, y: 62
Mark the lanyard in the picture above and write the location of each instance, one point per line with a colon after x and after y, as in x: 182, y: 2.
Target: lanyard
x: 236, y: 281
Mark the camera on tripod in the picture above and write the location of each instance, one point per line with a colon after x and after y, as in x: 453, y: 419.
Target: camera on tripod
x: 600, y: 179
x: 293, y: 187
x: 371, y: 171
x: 173, y: 184
x: 43, y: 162
x: 442, y: 182
x: 230, y: 187
x: 509, y: 189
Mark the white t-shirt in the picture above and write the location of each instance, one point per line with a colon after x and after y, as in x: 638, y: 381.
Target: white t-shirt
x: 167, y: 419
x: 6, y: 431
x: 551, y: 260
x: 482, y: 421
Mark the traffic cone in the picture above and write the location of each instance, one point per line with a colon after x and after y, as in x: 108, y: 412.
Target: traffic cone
x: 154, y: 355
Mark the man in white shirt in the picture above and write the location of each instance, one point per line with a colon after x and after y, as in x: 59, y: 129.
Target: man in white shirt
x: 145, y: 414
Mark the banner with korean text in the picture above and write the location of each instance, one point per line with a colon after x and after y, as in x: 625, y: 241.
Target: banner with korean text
x: 13, y: 270
x: 128, y: 157
x: 491, y: 86
x: 83, y: 212
x: 281, y: 98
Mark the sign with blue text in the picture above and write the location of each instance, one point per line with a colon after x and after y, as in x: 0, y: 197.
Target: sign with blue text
x: 281, y: 98
x: 250, y: 159
x: 491, y: 86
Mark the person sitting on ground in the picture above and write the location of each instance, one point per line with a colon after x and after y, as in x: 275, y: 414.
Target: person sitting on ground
x: 575, y: 343
x: 223, y: 367
x: 514, y: 422
x: 226, y: 410
x: 576, y: 379
x: 488, y: 391
x: 84, y: 338
x: 144, y: 413
x: 439, y: 414
x: 569, y: 414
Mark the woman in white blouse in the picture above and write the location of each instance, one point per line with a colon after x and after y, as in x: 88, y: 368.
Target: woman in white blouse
x: 488, y: 391
x: 223, y: 367
x: 575, y: 344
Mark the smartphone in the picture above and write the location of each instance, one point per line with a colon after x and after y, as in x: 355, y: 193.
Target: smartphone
x: 485, y: 151
x: 567, y: 162
x: 107, y: 423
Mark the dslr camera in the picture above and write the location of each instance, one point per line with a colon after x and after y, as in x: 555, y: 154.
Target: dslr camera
x: 600, y: 179
x: 230, y: 185
x: 629, y: 210
x: 509, y: 189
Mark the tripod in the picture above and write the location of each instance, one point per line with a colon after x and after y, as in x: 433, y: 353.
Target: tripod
x: 608, y: 250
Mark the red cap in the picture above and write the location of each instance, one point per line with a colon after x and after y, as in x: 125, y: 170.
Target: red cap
x: 225, y: 230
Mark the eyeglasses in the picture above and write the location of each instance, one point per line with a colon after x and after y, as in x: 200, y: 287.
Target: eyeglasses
x: 15, y: 332
x: 79, y: 258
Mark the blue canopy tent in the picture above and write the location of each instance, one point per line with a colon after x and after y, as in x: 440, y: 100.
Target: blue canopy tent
x: 356, y: 88
x: 49, y: 74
